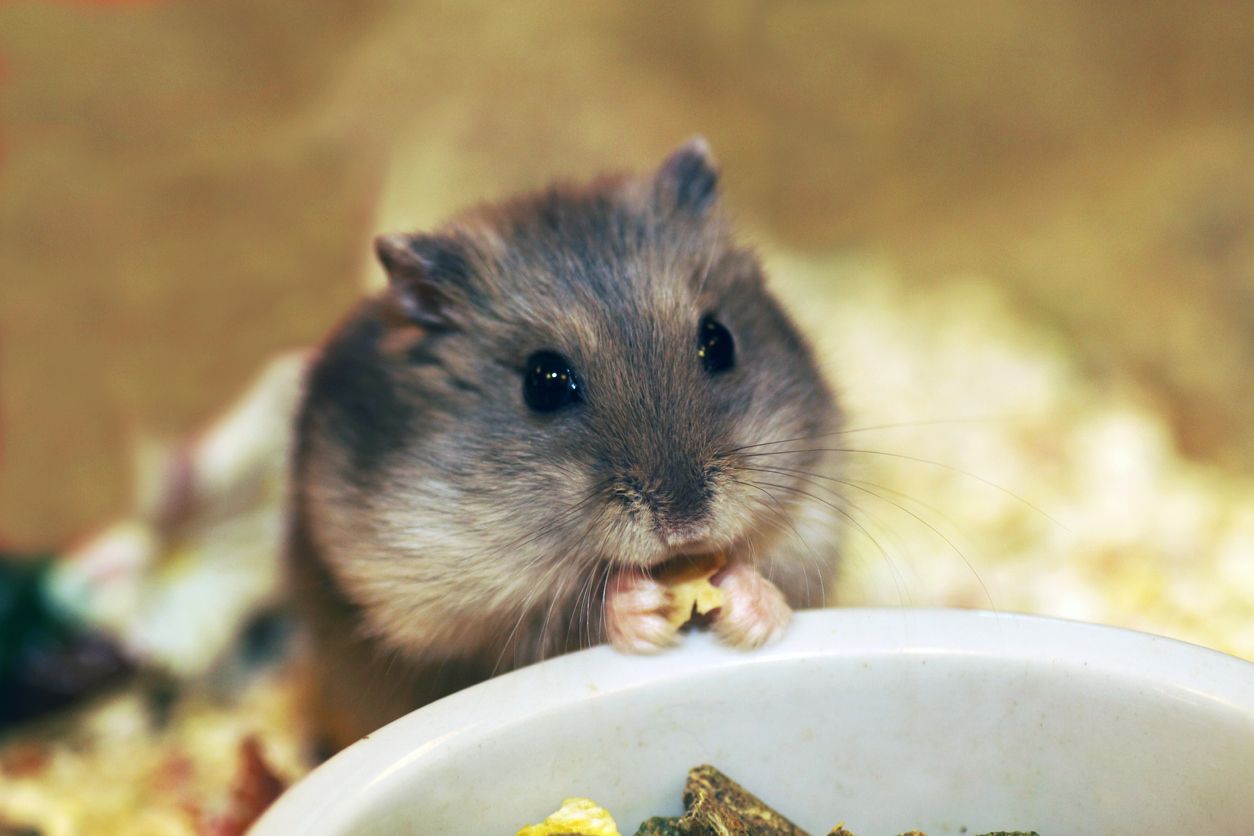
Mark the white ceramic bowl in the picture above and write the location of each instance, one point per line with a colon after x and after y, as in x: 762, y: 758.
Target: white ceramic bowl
x: 948, y: 721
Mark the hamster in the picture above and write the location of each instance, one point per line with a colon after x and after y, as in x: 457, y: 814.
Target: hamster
x: 553, y: 395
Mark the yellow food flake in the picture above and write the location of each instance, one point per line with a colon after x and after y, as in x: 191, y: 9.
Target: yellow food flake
x: 576, y: 817
x: 690, y: 587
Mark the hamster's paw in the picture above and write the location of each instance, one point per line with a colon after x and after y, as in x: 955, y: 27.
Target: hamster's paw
x: 635, y: 614
x: 754, y: 611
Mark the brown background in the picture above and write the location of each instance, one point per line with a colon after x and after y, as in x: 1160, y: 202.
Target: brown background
x: 188, y: 187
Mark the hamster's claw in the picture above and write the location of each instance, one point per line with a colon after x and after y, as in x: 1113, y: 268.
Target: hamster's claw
x: 754, y: 611
x: 635, y: 619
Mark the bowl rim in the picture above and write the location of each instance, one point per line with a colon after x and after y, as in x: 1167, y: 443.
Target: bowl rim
x: 327, y: 797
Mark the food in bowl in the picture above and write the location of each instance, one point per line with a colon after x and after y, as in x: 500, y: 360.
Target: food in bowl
x: 576, y: 817
x: 714, y: 805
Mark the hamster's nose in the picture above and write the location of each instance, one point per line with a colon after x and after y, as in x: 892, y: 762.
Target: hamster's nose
x: 681, y: 503
x: 678, y: 499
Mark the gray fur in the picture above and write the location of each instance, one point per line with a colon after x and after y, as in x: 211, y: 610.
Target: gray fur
x: 444, y: 532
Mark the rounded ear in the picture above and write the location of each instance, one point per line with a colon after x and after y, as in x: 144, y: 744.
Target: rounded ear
x: 427, y: 275
x: 687, y: 181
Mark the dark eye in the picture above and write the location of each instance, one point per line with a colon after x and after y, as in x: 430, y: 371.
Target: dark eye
x: 715, y: 346
x: 549, y: 382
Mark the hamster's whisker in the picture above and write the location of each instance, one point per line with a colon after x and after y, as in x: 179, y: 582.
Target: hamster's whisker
x: 560, y: 594
x: 555, y: 568
x: 920, y: 460
x: 393, y: 654
x: 524, y: 612
x: 778, y: 507
x: 913, y: 500
x: 578, y: 614
x: 778, y: 511
x: 581, y: 601
x: 557, y: 594
x: 868, y: 488
x: 852, y: 521
x: 753, y: 557
x: 863, y: 482
x: 865, y: 485
x: 875, y: 427
x: 601, y: 612
x: 596, y: 592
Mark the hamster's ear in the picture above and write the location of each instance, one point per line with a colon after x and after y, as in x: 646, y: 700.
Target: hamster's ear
x: 688, y: 179
x: 427, y: 276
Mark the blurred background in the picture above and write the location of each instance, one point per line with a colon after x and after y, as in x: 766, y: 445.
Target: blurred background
x: 1029, y: 226
x: 187, y: 187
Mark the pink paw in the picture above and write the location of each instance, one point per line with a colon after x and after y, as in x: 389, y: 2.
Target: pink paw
x: 754, y: 611
x: 635, y: 614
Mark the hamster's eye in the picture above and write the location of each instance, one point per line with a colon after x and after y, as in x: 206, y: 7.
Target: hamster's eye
x: 715, y: 346
x: 549, y: 383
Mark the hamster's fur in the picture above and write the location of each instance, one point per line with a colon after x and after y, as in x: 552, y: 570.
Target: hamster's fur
x: 442, y: 531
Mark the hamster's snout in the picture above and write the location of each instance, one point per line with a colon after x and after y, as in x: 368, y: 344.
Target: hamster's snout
x: 674, y: 501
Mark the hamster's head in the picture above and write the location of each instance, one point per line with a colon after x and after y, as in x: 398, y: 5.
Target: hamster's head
x: 582, y: 377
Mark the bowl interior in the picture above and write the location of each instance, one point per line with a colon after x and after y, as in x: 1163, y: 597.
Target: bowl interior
x: 948, y: 722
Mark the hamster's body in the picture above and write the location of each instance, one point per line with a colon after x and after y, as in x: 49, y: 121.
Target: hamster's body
x: 554, y: 395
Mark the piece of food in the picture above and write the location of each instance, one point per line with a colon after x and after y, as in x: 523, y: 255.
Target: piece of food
x: 716, y: 805
x: 688, y: 580
x: 576, y: 817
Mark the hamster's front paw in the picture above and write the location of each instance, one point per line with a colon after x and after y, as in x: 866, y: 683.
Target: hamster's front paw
x: 635, y: 614
x: 754, y: 611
